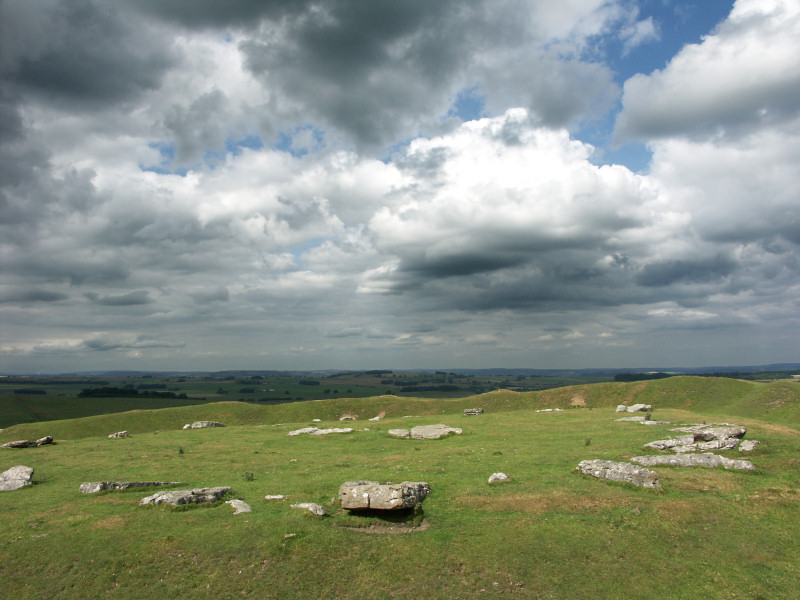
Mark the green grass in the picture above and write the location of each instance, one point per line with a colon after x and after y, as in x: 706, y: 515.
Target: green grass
x: 549, y: 533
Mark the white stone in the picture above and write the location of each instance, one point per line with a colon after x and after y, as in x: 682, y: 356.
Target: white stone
x: 498, y: 477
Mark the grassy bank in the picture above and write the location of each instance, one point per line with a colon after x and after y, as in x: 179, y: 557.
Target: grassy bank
x: 549, y: 533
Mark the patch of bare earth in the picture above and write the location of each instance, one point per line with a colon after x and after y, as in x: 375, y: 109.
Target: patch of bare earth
x: 391, y: 528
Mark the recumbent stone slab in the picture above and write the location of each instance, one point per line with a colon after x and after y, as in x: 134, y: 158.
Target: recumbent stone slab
x: 195, y: 496
x: 620, y: 471
x: 360, y: 495
x: 15, y: 478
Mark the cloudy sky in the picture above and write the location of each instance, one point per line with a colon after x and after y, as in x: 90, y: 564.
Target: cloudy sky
x: 354, y: 184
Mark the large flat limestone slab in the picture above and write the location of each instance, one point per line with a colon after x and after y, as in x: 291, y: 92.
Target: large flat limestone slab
x: 363, y: 495
x: 195, y: 496
x: 620, y: 471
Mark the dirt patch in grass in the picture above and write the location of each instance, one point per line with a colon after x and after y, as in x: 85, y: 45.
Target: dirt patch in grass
x: 708, y: 481
x: 578, y: 400
x: 775, y: 495
x: 109, y: 523
x: 543, y: 503
x: 779, y: 429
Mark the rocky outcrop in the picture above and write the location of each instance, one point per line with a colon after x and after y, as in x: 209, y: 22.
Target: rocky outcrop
x: 639, y: 408
x: 401, y: 433
x: 360, y: 495
x: 498, y: 478
x: 202, y: 425
x: 119, y: 434
x: 92, y: 487
x: 15, y: 478
x: 433, y: 432
x: 317, y: 431
x: 195, y: 496
x: 694, y: 460
x: 473, y: 411
x: 312, y: 507
x: 620, y: 471
x: 702, y: 438
x: 29, y: 443
x: 240, y: 506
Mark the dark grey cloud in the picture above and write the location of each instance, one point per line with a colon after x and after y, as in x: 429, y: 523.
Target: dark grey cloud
x: 219, y: 294
x: 136, y: 298
x: 105, y: 344
x: 85, y: 53
x: 32, y: 295
x: 663, y: 273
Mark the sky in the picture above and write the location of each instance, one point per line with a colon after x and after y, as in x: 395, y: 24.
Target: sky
x: 357, y: 184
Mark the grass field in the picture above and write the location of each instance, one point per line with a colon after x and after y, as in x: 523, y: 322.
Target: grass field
x: 549, y: 533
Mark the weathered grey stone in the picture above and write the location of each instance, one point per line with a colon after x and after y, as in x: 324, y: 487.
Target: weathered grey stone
x: 709, y: 434
x: 433, y: 432
x: 274, y: 497
x: 550, y: 410
x: 19, y: 444
x: 332, y: 430
x: 195, y: 496
x: 639, y: 407
x: 473, y: 411
x: 401, y: 433
x: 620, y: 471
x: 187, y: 426
x: 622, y: 408
x: 356, y: 495
x: 240, y: 506
x: 314, y: 508
x: 694, y: 460
x: 646, y: 422
x: 748, y: 445
x: 671, y: 443
x: 91, y: 487
x: 374, y: 419
x: 498, y: 477
x: 204, y: 424
x: 119, y: 434
x: 632, y: 419
x: 316, y: 431
x: 15, y: 478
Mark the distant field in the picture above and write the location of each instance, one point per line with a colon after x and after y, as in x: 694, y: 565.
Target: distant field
x: 549, y: 533
x: 31, y: 399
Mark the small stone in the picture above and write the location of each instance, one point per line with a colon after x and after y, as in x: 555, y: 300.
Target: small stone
x: 315, y: 421
x: 401, y: 433
x: 119, y: 434
x: 748, y: 445
x: 240, y: 506
x: 622, y: 408
x: 274, y: 497
x: 639, y: 407
x: 374, y: 419
x: 473, y: 411
x: 314, y: 508
x: 498, y: 477
x: 632, y: 419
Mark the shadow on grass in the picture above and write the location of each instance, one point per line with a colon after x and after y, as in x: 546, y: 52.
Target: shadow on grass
x: 384, y: 521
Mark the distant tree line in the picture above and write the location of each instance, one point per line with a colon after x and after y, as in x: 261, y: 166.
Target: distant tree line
x: 640, y: 376
x: 31, y: 392
x: 115, y: 392
x: 430, y: 388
